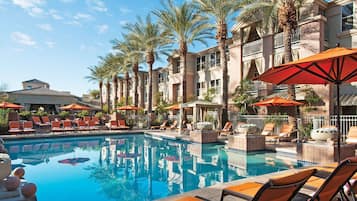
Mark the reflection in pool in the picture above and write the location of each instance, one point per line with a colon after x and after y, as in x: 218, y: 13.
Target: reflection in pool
x: 132, y: 167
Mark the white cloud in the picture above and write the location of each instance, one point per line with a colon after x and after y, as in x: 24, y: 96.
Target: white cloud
x: 82, y: 16
x: 103, y: 28
x: 45, y: 27
x: 97, y: 5
x: 50, y: 44
x: 32, y: 7
x: 54, y: 14
x: 22, y: 39
x: 123, y: 22
x: 125, y: 10
x: 28, y: 3
x: 74, y: 22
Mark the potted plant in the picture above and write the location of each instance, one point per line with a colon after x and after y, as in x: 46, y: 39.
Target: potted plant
x: 25, y: 115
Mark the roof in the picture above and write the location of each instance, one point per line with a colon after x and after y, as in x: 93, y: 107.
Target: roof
x: 201, y: 103
x: 35, y: 80
x: 348, y: 100
x: 41, y: 91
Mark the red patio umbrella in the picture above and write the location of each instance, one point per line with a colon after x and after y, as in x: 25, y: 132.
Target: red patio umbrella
x: 173, y: 107
x: 10, y: 105
x: 128, y: 107
x: 75, y: 106
x: 334, y: 66
x: 73, y: 161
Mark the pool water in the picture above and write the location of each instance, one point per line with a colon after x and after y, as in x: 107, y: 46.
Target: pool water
x: 132, y: 167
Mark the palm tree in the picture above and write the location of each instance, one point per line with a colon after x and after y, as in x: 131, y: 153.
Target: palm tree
x: 185, y: 26
x: 220, y: 10
x: 97, y: 74
x: 152, y: 41
x: 275, y: 13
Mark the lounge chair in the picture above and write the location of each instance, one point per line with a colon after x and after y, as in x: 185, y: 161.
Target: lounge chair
x: 190, y: 198
x: 86, y: 119
x: 173, y: 125
x: 327, y: 189
x: 46, y: 120
x: 163, y: 126
x: 278, y: 189
x: 56, y: 126
x: 268, y: 132
x: 82, y: 125
x: 352, y: 135
x: 28, y: 127
x: 286, y: 132
x: 37, y: 121
x: 96, y: 120
x: 121, y: 124
x: 67, y: 125
x: 14, y: 127
x: 227, y: 129
x: 92, y: 125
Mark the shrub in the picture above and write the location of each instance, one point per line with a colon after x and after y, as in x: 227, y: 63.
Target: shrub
x: 25, y: 115
x: 99, y: 115
x: 64, y: 114
x: 83, y: 113
x: 41, y: 113
x: 4, y: 120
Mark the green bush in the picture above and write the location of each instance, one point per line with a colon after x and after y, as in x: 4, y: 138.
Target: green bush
x: 83, y: 113
x: 25, y: 115
x: 40, y: 112
x: 4, y: 120
x: 105, y: 108
x: 99, y: 115
x: 64, y: 114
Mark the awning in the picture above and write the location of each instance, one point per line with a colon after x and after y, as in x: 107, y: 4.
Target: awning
x: 348, y: 100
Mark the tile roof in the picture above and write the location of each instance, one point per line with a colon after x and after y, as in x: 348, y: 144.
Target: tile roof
x: 41, y: 91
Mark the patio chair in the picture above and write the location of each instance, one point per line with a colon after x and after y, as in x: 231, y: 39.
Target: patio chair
x: 286, y: 132
x: 328, y: 188
x: 56, y: 126
x: 352, y: 135
x: 46, y: 120
x: 277, y: 189
x: 227, y: 129
x: 37, y: 121
x: 113, y: 125
x: 67, y: 125
x: 82, y: 125
x: 28, y: 127
x: 14, y: 127
x: 173, y: 125
x: 86, y: 119
x: 121, y: 124
x: 92, y: 125
x: 96, y: 120
x: 268, y: 132
x: 163, y: 126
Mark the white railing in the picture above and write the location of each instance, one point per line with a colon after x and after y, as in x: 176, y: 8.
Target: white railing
x: 279, y: 38
x: 253, y: 47
x: 254, y: 119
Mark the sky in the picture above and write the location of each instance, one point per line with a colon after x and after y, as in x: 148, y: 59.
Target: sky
x: 56, y: 41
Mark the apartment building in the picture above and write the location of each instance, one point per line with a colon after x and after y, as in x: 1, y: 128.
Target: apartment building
x: 252, y: 50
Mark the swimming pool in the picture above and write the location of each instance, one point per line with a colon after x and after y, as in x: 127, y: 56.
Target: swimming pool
x: 131, y: 167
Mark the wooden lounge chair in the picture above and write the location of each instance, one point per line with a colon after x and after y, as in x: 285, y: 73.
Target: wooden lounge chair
x: 278, y: 189
x: 352, y: 135
x: 28, y: 127
x: 14, y: 127
x: 86, y: 119
x: 121, y: 124
x: 327, y: 189
x: 227, y: 129
x: 92, y: 125
x: 286, y: 132
x: 173, y: 125
x: 96, y: 120
x: 67, y: 125
x: 163, y: 126
x: 56, y: 126
x: 82, y: 125
x: 268, y: 132
x: 46, y: 120
x: 113, y: 125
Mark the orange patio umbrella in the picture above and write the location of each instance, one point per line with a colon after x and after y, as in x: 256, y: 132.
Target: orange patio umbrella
x: 75, y: 106
x: 173, y: 107
x: 10, y: 105
x: 333, y: 66
x: 277, y: 101
x: 128, y: 107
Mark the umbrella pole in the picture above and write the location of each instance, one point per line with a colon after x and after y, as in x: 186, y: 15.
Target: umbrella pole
x: 338, y: 124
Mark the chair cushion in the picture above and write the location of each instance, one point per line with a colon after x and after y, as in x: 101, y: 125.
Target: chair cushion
x: 266, y: 133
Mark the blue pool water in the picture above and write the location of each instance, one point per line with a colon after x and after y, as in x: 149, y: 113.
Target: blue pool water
x: 131, y: 167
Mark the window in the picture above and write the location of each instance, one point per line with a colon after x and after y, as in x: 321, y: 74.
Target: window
x: 200, y: 63
x: 218, y: 59
x: 216, y: 85
x: 347, y: 17
x: 198, y: 88
x: 176, y: 66
x: 163, y: 77
x: 212, y: 59
x: 227, y: 53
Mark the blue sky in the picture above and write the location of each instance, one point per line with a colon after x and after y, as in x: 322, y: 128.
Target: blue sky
x: 57, y: 40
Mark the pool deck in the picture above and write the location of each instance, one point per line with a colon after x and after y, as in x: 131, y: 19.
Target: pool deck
x: 212, y: 193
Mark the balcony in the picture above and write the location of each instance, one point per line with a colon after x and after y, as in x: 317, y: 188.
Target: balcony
x: 253, y: 47
x: 279, y: 38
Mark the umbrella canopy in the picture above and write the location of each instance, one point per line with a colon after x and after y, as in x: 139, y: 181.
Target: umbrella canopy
x: 277, y: 101
x: 173, y: 107
x: 335, y: 66
x: 73, y: 161
x: 75, y: 106
x: 10, y: 105
x: 128, y: 107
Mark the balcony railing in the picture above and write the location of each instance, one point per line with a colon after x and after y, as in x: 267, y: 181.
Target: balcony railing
x: 253, y: 47
x: 279, y: 38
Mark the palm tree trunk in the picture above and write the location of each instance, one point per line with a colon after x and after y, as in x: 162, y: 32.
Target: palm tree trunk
x: 150, y: 59
x: 135, y: 69
x: 121, y: 88
x: 288, y: 58
x: 101, y: 94
x: 221, y: 37
x: 183, y: 58
x: 115, y: 87
x: 127, y: 88
x: 108, y: 95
